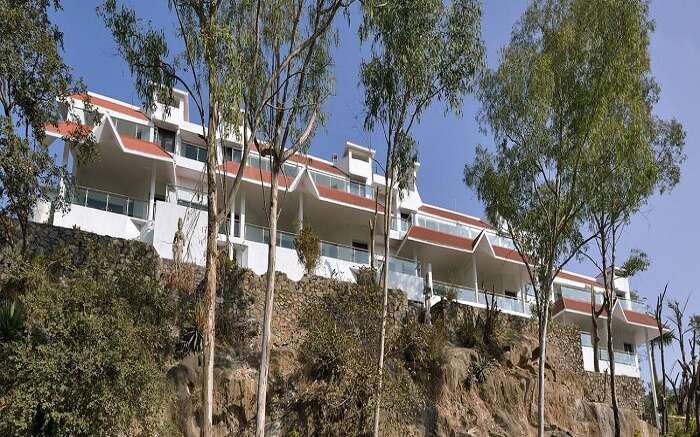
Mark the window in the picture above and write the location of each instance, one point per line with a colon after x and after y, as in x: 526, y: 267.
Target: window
x: 166, y: 139
x: 192, y: 151
x: 629, y: 348
x: 133, y: 130
x: 232, y: 154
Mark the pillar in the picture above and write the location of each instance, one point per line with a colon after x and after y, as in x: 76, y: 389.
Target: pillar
x: 476, y: 278
x: 242, y: 217
x: 152, y: 194
x: 653, y: 382
x: 232, y: 219
x: 428, y: 293
x: 300, y: 212
x: 62, y: 182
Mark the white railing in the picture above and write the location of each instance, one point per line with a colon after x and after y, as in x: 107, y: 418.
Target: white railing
x: 341, y: 184
x: 345, y: 253
x: 112, y: 202
x: 585, y: 296
x: 468, y: 294
x: 260, y: 234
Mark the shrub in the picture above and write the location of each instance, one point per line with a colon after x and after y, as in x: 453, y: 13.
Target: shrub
x: 11, y: 320
x: 308, y: 247
x: 339, y: 353
x: 478, y: 371
x: 90, y: 362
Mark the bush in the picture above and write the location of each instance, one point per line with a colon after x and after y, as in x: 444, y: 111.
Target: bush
x: 91, y: 357
x: 308, y: 246
x: 487, y: 330
x: 339, y: 353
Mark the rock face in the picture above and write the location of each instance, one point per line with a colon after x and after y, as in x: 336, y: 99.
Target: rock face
x: 504, y: 404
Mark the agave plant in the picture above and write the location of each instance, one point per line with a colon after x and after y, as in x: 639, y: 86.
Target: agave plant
x: 11, y: 320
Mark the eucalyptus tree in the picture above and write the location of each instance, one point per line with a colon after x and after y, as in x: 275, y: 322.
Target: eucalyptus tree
x: 35, y: 86
x: 546, y: 105
x: 663, y: 335
x: 208, y: 67
x: 420, y: 52
x: 285, y: 48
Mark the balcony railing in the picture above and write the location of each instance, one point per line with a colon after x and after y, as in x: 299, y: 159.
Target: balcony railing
x: 262, y: 235
x: 345, y: 253
x: 112, y: 202
x: 621, y: 357
x: 468, y: 294
x: 400, y: 225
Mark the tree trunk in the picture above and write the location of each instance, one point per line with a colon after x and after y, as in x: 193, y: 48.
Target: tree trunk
x: 210, y: 278
x: 664, y: 414
x: 385, y: 299
x: 543, y: 322
x: 611, y: 367
x: 269, y: 301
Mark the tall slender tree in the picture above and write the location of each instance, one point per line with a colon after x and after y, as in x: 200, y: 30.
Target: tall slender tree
x: 287, y: 67
x: 420, y: 52
x: 209, y: 69
x: 35, y: 88
x: 547, y: 105
x: 663, y: 332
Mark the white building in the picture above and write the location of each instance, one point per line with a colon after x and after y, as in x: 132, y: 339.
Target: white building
x: 150, y: 173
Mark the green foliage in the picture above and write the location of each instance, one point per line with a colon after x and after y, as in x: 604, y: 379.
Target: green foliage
x: 478, y: 371
x: 11, y: 320
x: 91, y: 360
x: 34, y: 91
x: 339, y: 354
x: 421, y: 51
x: 308, y: 247
x: 638, y: 261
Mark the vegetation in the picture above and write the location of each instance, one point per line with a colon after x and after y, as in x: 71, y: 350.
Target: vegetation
x: 35, y: 85
x: 338, y: 351
x: 420, y: 52
x: 89, y: 357
x: 308, y: 247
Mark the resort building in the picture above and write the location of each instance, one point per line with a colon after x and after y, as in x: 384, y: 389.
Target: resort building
x: 150, y: 174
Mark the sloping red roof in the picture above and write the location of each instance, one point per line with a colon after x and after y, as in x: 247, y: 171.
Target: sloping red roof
x: 116, y: 107
x: 454, y: 216
x: 564, y: 303
x: 65, y: 128
x: 504, y: 252
x: 317, y: 164
x: 431, y: 236
x: 347, y: 198
x: 143, y: 146
x: 578, y: 278
x: 256, y: 174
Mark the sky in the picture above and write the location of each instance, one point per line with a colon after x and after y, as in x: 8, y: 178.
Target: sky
x: 664, y: 229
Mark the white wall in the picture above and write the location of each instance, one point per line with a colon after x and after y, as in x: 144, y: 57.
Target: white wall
x: 255, y: 258
x: 194, y: 227
x: 100, y: 222
x: 620, y: 369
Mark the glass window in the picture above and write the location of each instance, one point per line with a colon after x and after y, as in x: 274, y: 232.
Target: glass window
x: 192, y: 151
x: 166, y: 139
x: 133, y: 130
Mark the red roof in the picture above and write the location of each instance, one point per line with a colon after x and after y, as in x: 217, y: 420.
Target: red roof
x: 254, y: 173
x: 503, y: 252
x: 347, y: 198
x: 317, y: 164
x: 564, y: 303
x: 66, y: 128
x: 454, y: 216
x: 431, y: 236
x: 116, y: 107
x: 578, y: 278
x: 142, y: 146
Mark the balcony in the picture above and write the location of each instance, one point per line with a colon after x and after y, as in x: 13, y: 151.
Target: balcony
x: 469, y: 295
x: 585, y: 296
x: 621, y: 357
x: 111, y: 202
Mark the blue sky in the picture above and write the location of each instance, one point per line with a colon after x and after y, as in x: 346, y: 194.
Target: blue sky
x: 664, y: 229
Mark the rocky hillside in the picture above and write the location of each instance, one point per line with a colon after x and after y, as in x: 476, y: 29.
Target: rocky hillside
x: 501, y: 403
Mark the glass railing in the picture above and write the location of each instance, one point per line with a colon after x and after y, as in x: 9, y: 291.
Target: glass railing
x: 345, y: 253
x: 504, y: 302
x: 400, y: 225
x: 106, y: 201
x: 459, y: 230
x: 631, y: 305
x: 499, y: 240
x: 578, y: 294
x: 224, y: 227
x: 621, y: 357
x: 460, y: 292
x: 402, y: 265
x: 262, y: 235
x: 341, y: 184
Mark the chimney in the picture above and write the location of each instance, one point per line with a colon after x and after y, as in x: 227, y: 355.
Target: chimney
x: 335, y: 158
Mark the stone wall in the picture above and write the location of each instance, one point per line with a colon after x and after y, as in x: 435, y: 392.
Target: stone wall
x: 630, y: 391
